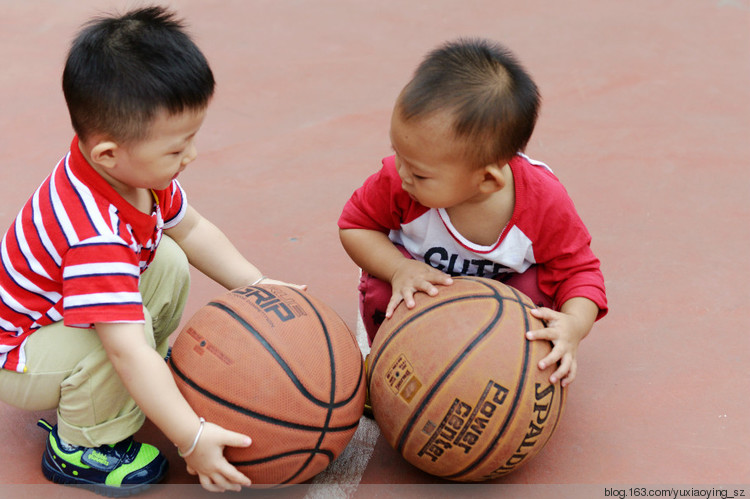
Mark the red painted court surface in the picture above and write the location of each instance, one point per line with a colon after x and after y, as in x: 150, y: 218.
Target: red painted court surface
x: 646, y: 120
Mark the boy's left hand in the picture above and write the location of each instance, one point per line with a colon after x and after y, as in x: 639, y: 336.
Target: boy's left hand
x: 565, y: 332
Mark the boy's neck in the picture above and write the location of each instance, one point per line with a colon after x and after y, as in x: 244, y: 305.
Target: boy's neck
x: 483, y: 220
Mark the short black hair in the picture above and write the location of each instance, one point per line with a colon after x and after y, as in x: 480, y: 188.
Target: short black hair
x: 494, y: 101
x: 122, y: 70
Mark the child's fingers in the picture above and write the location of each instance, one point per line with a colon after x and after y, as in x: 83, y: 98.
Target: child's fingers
x: 444, y: 279
x: 565, y: 372
x: 230, y: 478
x: 392, y: 304
x: 546, y: 333
x: 234, y: 439
x: 551, y: 359
x: 208, y: 484
x: 237, y: 478
x: 224, y: 477
x: 221, y: 482
x: 568, y: 379
x: 409, y: 299
x: 429, y: 288
x: 430, y: 282
x: 537, y: 334
x: 229, y: 472
x: 544, y: 313
x: 215, y: 472
x: 425, y: 284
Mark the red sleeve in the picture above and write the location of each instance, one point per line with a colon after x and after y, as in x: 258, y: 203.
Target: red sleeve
x: 100, y: 283
x: 174, y: 204
x: 380, y: 204
x: 567, y: 267
x: 575, y: 272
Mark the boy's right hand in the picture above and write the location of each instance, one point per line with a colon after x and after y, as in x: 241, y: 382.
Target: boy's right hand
x: 268, y: 280
x: 412, y: 276
x: 207, y: 461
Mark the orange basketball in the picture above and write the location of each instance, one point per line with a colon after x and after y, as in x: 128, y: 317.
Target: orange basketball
x: 455, y: 386
x: 274, y: 363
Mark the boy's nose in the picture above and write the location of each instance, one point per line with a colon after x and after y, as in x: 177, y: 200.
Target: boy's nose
x: 190, y: 155
x: 404, y: 174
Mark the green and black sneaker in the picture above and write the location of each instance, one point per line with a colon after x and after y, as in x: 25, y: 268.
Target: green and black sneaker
x: 116, y: 470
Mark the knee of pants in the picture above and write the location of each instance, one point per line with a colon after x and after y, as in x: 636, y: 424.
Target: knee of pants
x: 374, y: 296
x: 373, y: 301
x: 528, y: 284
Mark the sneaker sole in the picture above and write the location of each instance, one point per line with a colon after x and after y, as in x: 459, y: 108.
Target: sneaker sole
x: 53, y: 475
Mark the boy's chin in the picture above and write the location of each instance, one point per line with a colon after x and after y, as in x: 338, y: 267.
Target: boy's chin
x: 163, y: 186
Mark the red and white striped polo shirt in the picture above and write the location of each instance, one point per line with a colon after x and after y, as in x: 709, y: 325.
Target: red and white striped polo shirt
x: 75, y: 253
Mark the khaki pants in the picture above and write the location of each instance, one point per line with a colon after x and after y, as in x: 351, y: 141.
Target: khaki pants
x: 68, y: 368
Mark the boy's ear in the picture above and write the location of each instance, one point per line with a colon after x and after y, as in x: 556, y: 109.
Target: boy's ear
x: 492, y: 178
x: 104, y: 153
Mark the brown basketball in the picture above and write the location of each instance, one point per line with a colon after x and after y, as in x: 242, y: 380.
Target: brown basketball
x: 455, y: 386
x: 278, y: 365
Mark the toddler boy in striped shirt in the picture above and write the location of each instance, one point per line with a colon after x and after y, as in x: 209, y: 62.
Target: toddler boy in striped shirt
x: 94, y: 271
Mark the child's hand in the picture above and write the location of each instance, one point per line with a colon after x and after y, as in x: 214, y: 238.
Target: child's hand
x: 301, y: 287
x: 410, y: 277
x: 207, y: 461
x: 565, y: 332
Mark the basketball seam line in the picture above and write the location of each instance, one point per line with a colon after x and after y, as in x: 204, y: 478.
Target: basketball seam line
x: 332, y: 366
x: 329, y: 406
x: 266, y: 459
x: 288, y: 370
x: 248, y: 412
x: 376, y: 357
x: 514, y: 405
x: 409, y: 426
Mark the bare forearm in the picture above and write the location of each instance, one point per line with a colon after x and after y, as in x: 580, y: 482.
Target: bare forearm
x: 584, y: 311
x: 372, y: 251
x: 147, y: 378
x: 219, y: 260
x: 209, y: 250
x: 565, y: 329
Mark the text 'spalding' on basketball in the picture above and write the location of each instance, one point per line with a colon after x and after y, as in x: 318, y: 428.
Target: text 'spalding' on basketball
x: 542, y: 408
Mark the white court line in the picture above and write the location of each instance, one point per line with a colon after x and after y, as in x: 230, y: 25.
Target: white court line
x: 341, y: 479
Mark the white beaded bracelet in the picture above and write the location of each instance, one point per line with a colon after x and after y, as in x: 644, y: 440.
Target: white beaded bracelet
x: 195, y: 442
x: 259, y: 279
